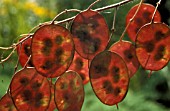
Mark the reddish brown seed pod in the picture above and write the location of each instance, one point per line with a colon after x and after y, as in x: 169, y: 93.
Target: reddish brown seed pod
x: 30, y: 90
x: 90, y: 33
x: 143, y: 16
x: 24, y: 52
x: 127, y: 51
x: 153, y: 46
x: 109, y: 77
x: 52, y: 50
x: 80, y: 65
x: 69, y: 92
x: 6, y: 103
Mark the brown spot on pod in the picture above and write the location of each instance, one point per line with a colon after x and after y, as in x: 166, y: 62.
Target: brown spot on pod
x: 117, y: 91
x: 107, y: 85
x: 38, y: 98
x: 115, y: 72
x: 24, y: 81
x: 58, y: 40
x: 159, y: 35
x: 149, y: 46
x: 160, y: 53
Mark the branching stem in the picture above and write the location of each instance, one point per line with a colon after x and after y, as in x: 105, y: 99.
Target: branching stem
x: 114, y: 20
x: 157, y: 4
x: 27, y: 61
x: 60, y: 22
x: 63, y: 12
x: 98, y: 9
x: 131, y: 20
x: 3, y: 60
x: 93, y: 4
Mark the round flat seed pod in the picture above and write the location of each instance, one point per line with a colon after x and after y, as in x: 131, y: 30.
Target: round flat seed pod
x: 6, y: 103
x: 69, y: 92
x: 80, y: 65
x: 143, y: 16
x: 24, y: 52
x: 127, y: 51
x: 52, y: 50
x: 30, y: 91
x: 153, y: 46
x: 109, y: 77
x: 90, y: 33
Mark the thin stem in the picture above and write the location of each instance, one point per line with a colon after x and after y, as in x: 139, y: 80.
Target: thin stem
x: 112, y: 29
x: 67, y: 25
x: 63, y: 12
x: 16, y: 44
x: 157, y: 4
x: 22, y: 40
x: 30, y: 34
x: 3, y: 60
x: 113, y: 5
x: 16, y: 66
x: 149, y: 75
x: 121, y: 37
x: 117, y: 106
x: 93, y: 4
x: 114, y: 20
x: 6, y: 48
x: 147, y: 61
x: 27, y: 62
x: 98, y: 10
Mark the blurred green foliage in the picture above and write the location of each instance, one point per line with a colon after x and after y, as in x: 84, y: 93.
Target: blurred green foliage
x: 20, y: 16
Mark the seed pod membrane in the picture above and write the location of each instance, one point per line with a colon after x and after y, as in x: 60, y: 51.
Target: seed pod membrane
x: 52, y: 50
x: 30, y: 91
x: 90, y: 33
x: 109, y: 77
x: 69, y: 92
x: 153, y: 46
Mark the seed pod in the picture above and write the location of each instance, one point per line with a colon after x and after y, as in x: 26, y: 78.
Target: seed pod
x: 30, y: 91
x: 52, y: 50
x: 153, y: 46
x: 69, y: 92
x: 90, y: 33
x: 109, y: 77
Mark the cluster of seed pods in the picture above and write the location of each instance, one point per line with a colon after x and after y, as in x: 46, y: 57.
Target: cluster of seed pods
x: 151, y: 37
x: 76, y: 56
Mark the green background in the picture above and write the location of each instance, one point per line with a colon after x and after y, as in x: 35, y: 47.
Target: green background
x: 19, y: 16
